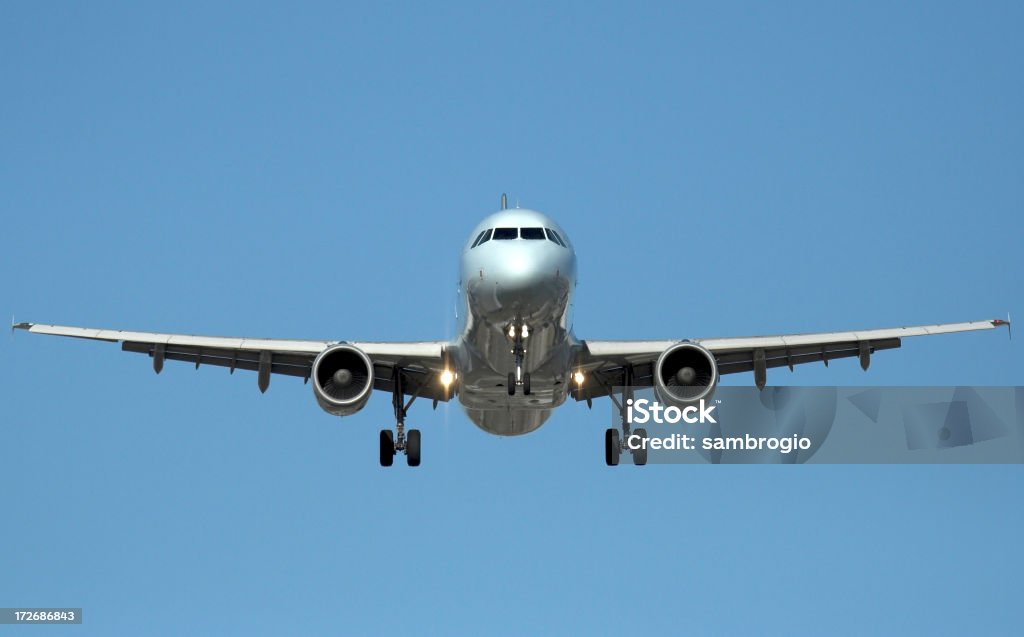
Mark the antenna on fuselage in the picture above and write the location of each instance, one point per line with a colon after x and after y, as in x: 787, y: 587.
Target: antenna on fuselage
x: 504, y: 201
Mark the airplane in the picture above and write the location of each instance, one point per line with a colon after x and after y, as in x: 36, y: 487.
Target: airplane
x: 515, y: 358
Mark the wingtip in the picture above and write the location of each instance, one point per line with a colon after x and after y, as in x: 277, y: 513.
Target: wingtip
x: 1007, y: 323
x: 20, y: 326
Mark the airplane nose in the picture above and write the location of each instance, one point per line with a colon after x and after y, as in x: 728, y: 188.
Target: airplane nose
x: 516, y: 272
x: 527, y: 277
x: 519, y: 278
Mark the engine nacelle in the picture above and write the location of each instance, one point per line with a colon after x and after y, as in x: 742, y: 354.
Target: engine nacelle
x: 342, y: 379
x: 684, y: 374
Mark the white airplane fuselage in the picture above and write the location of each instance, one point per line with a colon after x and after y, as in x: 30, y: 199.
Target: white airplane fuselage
x: 506, y: 284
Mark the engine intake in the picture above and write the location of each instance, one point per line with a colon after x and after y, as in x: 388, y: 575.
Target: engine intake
x: 342, y: 379
x: 685, y: 373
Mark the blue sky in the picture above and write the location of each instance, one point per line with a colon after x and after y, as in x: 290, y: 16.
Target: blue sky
x: 312, y: 171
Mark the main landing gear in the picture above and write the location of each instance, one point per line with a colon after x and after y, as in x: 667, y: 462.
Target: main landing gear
x: 518, y: 378
x: 393, y: 442
x: 614, y: 443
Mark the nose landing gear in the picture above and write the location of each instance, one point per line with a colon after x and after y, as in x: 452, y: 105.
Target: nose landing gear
x: 518, y: 378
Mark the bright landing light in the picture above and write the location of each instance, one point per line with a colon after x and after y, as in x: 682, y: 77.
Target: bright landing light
x: 447, y: 377
x: 578, y: 377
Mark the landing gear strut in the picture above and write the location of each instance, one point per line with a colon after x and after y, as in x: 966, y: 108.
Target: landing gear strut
x: 392, y: 442
x: 518, y: 378
x: 614, y: 443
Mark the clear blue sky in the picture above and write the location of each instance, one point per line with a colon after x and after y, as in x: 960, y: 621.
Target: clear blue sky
x: 312, y: 171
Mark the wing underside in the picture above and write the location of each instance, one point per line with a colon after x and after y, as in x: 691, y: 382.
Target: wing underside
x: 607, y: 364
x: 418, y: 362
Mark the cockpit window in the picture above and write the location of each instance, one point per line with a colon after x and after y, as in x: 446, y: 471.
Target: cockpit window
x: 552, y: 235
x: 507, y: 234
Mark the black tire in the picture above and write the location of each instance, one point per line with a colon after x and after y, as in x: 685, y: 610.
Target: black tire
x: 611, y: 447
x: 387, y: 448
x: 412, y: 448
x: 526, y: 384
x: 640, y: 455
x: 511, y: 384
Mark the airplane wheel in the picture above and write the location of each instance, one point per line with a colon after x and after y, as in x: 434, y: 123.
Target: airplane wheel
x: 640, y: 455
x: 611, y: 447
x: 526, y: 384
x: 511, y: 384
x: 387, y: 448
x: 412, y: 447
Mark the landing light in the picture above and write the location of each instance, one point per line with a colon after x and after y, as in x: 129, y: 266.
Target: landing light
x: 447, y: 377
x: 526, y: 331
x: 511, y: 331
x: 578, y: 377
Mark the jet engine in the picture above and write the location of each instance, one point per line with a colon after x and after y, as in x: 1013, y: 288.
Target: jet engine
x: 342, y: 379
x: 684, y: 374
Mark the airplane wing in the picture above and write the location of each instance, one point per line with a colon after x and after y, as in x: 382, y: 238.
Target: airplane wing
x: 418, y: 362
x: 604, y: 363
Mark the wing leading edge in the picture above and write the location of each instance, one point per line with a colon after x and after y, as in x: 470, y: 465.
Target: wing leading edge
x: 418, y: 361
